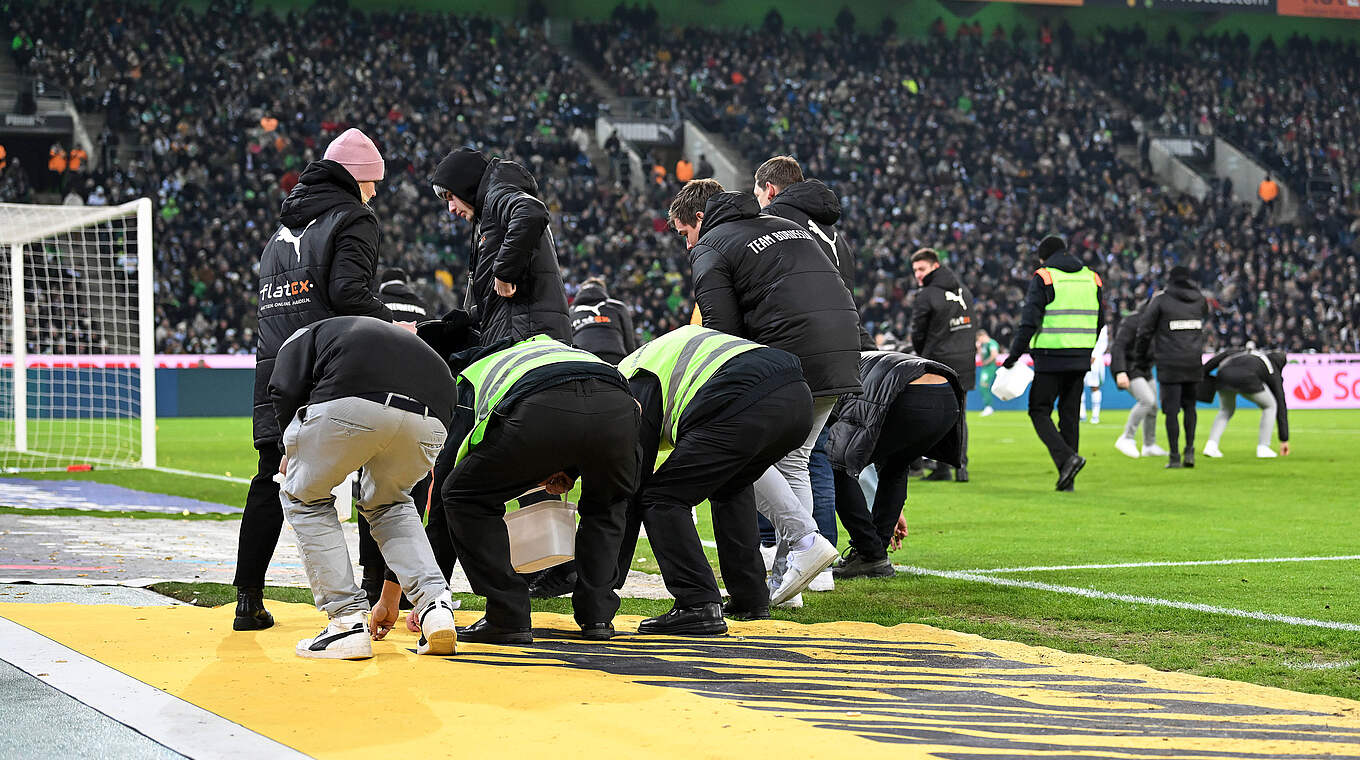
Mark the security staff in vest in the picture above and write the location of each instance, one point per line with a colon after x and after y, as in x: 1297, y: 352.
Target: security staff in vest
x: 1135, y: 378
x: 910, y: 407
x: 1258, y: 375
x: 515, y: 288
x: 1173, y: 331
x: 320, y: 263
x: 600, y: 324
x: 352, y: 393
x: 727, y: 409
x: 538, y: 412
x: 943, y: 330
x: 1063, y: 313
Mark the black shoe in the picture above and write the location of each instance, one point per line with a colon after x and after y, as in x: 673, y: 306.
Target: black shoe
x: 597, y: 631
x: 250, y: 612
x: 943, y: 472
x: 482, y: 632
x: 1067, y: 474
x: 854, y: 565
x: 700, y: 620
x: 961, y: 475
x: 554, y: 582
x: 1189, y: 458
x: 760, y: 613
x: 1069, y: 489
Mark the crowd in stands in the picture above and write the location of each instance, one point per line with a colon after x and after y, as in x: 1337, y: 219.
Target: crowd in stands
x: 976, y: 146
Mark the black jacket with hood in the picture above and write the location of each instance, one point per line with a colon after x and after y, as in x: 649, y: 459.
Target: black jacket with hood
x: 942, y: 326
x: 1037, y: 299
x: 857, y: 421
x: 513, y: 243
x: 1247, y: 370
x: 406, y: 305
x: 321, y: 263
x: 765, y: 279
x: 812, y: 205
x: 602, y: 325
x: 1122, y: 358
x: 1173, y: 332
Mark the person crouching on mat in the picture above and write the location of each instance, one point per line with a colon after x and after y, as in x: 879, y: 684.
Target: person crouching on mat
x: 351, y: 393
x: 1258, y: 375
x: 910, y: 407
x: 727, y: 409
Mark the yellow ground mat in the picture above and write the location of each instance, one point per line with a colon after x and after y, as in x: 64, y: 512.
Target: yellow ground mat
x: 768, y: 689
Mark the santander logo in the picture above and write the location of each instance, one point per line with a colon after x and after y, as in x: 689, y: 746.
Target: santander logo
x: 1307, y: 389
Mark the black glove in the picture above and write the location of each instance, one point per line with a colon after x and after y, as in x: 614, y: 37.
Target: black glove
x: 455, y: 332
x: 1010, y: 362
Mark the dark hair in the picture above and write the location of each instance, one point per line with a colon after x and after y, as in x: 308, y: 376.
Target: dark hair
x: 780, y: 170
x: 691, y: 200
x: 926, y: 254
x: 594, y: 281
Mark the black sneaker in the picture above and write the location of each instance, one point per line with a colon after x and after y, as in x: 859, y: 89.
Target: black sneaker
x: 1188, y: 459
x: 1173, y: 461
x: 854, y: 565
x: 961, y: 475
x: 942, y: 472
x: 700, y: 620
x: 250, y: 612
x: 1067, y: 474
x: 554, y: 582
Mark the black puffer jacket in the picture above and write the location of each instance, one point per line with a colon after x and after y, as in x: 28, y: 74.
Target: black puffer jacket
x: 812, y: 205
x: 513, y: 243
x: 1247, y: 370
x: 602, y: 325
x: 765, y: 279
x: 942, y: 325
x: 321, y: 263
x: 1122, y: 358
x: 1173, y: 332
x: 858, y: 417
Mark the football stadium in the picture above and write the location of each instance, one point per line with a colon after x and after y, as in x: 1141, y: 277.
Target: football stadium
x: 942, y: 378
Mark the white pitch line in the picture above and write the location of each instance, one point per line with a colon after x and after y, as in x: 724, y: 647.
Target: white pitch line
x: 1268, y: 617
x: 208, y: 475
x: 162, y: 717
x: 1186, y: 563
x: 1342, y: 665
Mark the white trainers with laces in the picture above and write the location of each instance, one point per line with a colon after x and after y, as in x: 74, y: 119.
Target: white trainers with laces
x: 1265, y: 452
x: 987, y: 411
x: 823, y: 582
x: 1154, y: 451
x: 346, y: 638
x: 803, y: 567
x: 437, y: 633
x: 1127, y: 446
x: 794, y: 602
x: 1212, y: 451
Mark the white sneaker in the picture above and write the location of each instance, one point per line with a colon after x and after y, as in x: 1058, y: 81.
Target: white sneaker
x: 768, y: 553
x: 1154, y: 451
x: 1127, y: 446
x: 804, y: 567
x: 437, y: 634
x: 823, y: 582
x: 1095, y: 419
x: 1265, y: 452
x: 794, y: 602
x: 1212, y: 451
x: 346, y: 638
x: 987, y: 411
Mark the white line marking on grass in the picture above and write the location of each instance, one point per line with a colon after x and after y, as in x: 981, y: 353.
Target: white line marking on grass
x: 1186, y: 563
x: 1342, y: 665
x: 207, y: 475
x: 1268, y: 617
x: 164, y: 718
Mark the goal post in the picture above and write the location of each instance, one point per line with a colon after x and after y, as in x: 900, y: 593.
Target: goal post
x: 78, y: 384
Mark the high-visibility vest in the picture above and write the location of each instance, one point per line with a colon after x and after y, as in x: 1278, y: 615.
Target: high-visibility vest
x: 493, y: 376
x: 683, y: 360
x: 56, y: 161
x: 78, y: 156
x: 1072, y: 319
x: 4, y: 158
x: 1268, y: 191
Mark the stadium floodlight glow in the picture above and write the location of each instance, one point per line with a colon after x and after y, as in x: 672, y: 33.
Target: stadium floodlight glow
x: 78, y: 384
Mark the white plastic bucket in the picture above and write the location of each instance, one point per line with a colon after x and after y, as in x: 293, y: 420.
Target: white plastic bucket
x: 1012, y: 383
x: 542, y: 535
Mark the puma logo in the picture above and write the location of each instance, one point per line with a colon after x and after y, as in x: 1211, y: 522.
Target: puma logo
x: 949, y: 296
x: 831, y: 241
x: 287, y: 236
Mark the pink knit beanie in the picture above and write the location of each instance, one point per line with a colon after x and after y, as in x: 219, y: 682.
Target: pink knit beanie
x: 354, y: 151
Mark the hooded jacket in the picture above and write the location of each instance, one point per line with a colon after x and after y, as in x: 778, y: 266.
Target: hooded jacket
x: 1243, y: 370
x: 320, y: 263
x: 812, y: 205
x: 765, y: 279
x: 602, y: 325
x: 1173, y: 332
x: 1037, y: 299
x: 405, y: 304
x: 857, y: 421
x: 513, y: 243
x: 942, y: 326
x: 1122, y: 358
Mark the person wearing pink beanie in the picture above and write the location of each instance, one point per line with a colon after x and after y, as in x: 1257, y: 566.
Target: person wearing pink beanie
x: 360, y: 157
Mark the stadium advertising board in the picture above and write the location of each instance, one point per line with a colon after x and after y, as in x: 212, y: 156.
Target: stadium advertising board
x: 1213, y: 6
x: 1323, y: 381
x: 1347, y: 9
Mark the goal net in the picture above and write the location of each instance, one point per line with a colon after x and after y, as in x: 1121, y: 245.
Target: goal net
x: 77, y: 385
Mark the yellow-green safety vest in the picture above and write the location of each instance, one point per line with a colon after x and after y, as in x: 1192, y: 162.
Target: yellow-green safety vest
x: 1072, y: 319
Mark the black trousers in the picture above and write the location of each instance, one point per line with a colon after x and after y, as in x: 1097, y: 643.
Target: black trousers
x: 1177, y: 398
x: 261, y: 521
x: 584, y: 426
x: 718, y: 461
x: 919, y: 417
x: 1064, y: 388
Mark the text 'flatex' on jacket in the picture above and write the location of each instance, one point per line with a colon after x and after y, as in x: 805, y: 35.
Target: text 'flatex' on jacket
x: 601, y: 325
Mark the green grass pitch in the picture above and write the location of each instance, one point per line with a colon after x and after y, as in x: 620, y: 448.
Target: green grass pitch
x: 1008, y: 522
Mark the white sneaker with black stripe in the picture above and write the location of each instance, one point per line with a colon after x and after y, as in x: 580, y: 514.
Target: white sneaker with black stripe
x: 437, y: 633
x: 346, y: 638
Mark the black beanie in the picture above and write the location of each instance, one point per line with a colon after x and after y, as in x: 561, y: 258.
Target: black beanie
x: 1051, y: 245
x: 461, y: 174
x: 1180, y: 274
